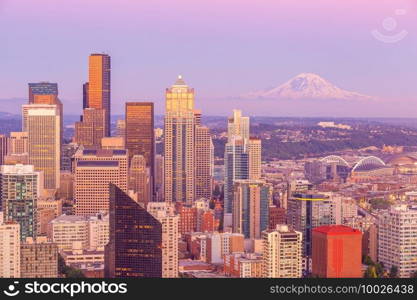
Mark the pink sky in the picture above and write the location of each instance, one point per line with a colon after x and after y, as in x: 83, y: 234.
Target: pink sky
x: 222, y: 48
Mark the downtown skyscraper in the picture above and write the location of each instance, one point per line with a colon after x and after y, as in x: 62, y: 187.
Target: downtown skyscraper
x: 44, y: 141
x: 90, y: 130
x: 93, y: 171
x: 236, y: 167
x: 179, y: 143
x: 45, y: 93
x: 307, y: 211
x: 135, y: 240
x: 237, y: 125
x: 20, y: 187
x: 242, y: 159
x: 139, y: 134
x: 252, y: 199
x: 204, y: 157
x: 98, y: 89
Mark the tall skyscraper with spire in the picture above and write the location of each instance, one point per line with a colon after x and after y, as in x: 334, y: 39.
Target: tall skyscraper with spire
x: 179, y: 140
x: 98, y: 89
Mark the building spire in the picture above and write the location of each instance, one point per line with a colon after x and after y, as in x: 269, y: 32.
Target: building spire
x: 180, y: 81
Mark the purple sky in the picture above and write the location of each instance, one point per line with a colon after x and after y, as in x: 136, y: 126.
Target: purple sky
x: 223, y: 48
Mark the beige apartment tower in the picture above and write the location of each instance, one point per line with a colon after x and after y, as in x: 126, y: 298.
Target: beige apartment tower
x: 9, y: 249
x: 164, y: 213
x: 282, y: 253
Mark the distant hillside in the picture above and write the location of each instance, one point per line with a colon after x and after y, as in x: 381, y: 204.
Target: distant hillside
x: 11, y: 106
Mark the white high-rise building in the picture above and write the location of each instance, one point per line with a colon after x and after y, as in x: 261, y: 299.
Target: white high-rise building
x: 98, y: 231
x: 9, y: 250
x: 282, y: 253
x: 91, y: 232
x: 397, y: 239
x: 164, y: 213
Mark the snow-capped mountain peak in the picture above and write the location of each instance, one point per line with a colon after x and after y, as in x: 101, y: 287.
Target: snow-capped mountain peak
x: 306, y: 86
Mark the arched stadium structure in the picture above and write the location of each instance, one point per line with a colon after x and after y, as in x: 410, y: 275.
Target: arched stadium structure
x: 334, y: 159
x: 368, y: 163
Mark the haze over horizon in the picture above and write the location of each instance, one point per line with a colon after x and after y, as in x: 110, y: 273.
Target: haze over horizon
x: 223, y: 50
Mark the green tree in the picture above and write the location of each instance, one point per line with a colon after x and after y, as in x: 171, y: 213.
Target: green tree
x: 75, y: 273
x: 371, y: 272
x: 393, y: 273
x: 379, y: 269
x: 61, y: 264
x: 68, y: 272
x: 368, y: 261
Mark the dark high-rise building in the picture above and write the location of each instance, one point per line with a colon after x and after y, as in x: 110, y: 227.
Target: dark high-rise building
x: 85, y: 95
x: 4, y: 143
x: 139, y: 133
x: 99, y: 85
x: 135, y: 240
x: 309, y: 210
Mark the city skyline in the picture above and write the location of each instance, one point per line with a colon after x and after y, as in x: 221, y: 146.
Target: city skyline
x: 221, y: 59
x: 193, y: 196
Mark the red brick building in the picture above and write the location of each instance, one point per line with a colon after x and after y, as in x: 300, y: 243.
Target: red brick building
x: 188, y: 218
x: 208, y: 222
x: 277, y: 215
x: 337, y: 252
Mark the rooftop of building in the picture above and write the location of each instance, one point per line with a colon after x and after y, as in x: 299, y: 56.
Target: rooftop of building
x: 97, y: 163
x: 310, y: 196
x: 337, y: 230
x: 69, y: 219
x: 18, y: 169
x: 103, y: 152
